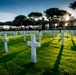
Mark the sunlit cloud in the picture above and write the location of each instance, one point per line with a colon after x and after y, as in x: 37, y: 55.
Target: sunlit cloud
x: 6, y: 17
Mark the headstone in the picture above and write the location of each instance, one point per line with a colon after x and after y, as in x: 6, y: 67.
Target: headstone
x: 10, y: 33
x: 66, y: 33
x: 24, y: 35
x: 2, y: 33
x: 14, y: 35
x: 20, y: 32
x: 5, y: 42
x: 30, y: 32
x: 33, y: 45
x: 62, y: 36
x: 40, y: 36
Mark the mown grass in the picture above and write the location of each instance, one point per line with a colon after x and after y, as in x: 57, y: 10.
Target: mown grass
x: 52, y: 57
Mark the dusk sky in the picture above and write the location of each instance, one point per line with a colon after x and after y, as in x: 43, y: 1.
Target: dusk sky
x: 9, y: 9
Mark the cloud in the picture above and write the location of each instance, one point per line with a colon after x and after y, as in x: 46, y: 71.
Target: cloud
x: 6, y: 17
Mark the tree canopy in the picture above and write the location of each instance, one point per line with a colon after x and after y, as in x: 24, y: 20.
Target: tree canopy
x: 35, y: 15
x: 28, y: 21
x: 51, y: 12
x: 73, y: 5
x: 54, y: 12
x: 61, y: 12
x: 18, y: 20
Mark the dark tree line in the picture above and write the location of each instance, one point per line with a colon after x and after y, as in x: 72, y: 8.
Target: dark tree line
x: 6, y: 23
x: 33, y: 18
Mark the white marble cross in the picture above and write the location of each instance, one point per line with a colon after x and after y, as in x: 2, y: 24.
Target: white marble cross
x: 5, y: 42
x: 21, y: 33
x: 33, y: 45
x: 10, y: 33
x: 30, y: 32
x: 24, y: 35
x: 66, y: 34
x: 40, y: 36
x: 62, y: 36
x: 14, y: 35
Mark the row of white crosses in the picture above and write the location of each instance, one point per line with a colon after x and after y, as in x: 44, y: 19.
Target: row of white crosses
x: 5, y: 39
x: 62, y: 35
x: 15, y: 35
x: 35, y: 44
x: 32, y: 43
x: 52, y: 32
x: 24, y: 35
x: 40, y: 36
x: 55, y: 32
x: 72, y: 32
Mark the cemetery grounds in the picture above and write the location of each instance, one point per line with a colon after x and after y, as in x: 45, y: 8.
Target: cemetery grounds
x: 52, y: 57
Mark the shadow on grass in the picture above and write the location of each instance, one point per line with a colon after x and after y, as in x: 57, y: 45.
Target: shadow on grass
x: 2, y: 52
x: 10, y: 56
x: 46, y: 44
x: 27, y: 68
x: 67, y: 37
x: 1, y: 48
x: 59, y: 40
x: 55, y: 70
x: 14, y: 42
x: 56, y: 65
x: 47, y: 36
x: 74, y: 46
x: 49, y: 71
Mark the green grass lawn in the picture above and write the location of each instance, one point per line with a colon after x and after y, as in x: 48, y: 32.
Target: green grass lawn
x: 52, y: 57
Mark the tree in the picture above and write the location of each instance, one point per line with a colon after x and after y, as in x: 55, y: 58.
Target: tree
x: 8, y: 23
x: 18, y: 20
x: 35, y: 15
x: 51, y: 13
x: 28, y: 21
x: 73, y: 5
x: 2, y: 23
x: 61, y: 13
